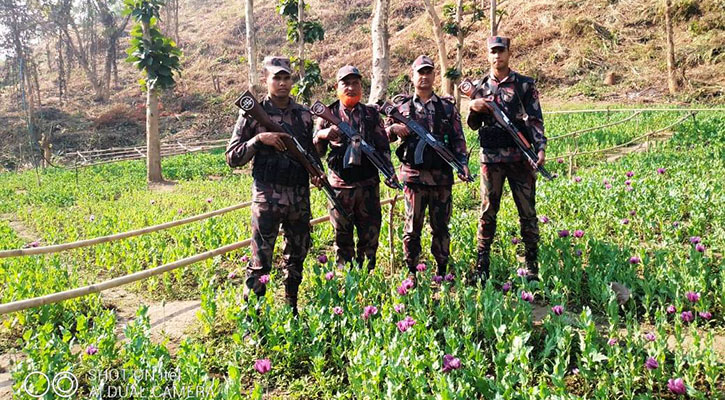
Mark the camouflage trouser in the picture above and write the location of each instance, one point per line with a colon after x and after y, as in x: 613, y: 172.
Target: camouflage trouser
x: 438, y: 199
x: 522, y: 181
x: 363, y: 205
x: 266, y: 219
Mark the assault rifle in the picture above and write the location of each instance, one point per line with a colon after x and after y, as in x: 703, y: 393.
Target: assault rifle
x: 357, y: 144
x: 469, y: 90
x: 426, y: 139
x: 251, y: 107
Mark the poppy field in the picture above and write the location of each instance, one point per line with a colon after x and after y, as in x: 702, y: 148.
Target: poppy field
x: 630, y: 304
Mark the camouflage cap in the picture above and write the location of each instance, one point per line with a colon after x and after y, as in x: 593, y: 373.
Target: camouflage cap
x: 346, y: 71
x: 276, y: 64
x: 422, y: 62
x: 498, y: 41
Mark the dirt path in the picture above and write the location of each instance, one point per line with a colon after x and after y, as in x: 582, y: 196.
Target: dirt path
x: 170, y: 320
x: 638, y: 148
x: 23, y: 231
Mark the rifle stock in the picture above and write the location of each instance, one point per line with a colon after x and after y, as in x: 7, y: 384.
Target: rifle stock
x: 469, y: 90
x: 251, y: 107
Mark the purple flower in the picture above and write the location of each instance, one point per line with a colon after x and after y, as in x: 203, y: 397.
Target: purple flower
x: 559, y: 160
x: 263, y: 365
x: 628, y: 182
x: 449, y: 277
x: 605, y: 181
x: 368, y: 311
x: 526, y: 296
x: 676, y: 224
x: 506, y: 287
x: 700, y: 248
x: 578, y: 253
x: 515, y: 240
x: 625, y: 221
x: 91, y: 350
x: 577, y: 179
x: 563, y: 233
x: 232, y: 275
x: 91, y: 218
x: 706, y: 315
x: 575, y: 371
x: 34, y: 243
x: 629, y: 188
x: 421, y: 267
x: 557, y: 309
x: 630, y: 174
x: 408, y: 283
x: 650, y: 337
x: 661, y: 171
x: 209, y: 200
x: 245, y: 258
x: 402, y: 290
x: 578, y: 233
x: 651, y: 363
x: 692, y: 296
x: 264, y: 279
x: 607, y: 186
x: 337, y: 310
x: 695, y: 240
x: 544, y: 219
x: 406, y: 323
x: 671, y: 309
x: 677, y: 386
x: 322, y: 258
x: 634, y: 260
x: 437, y: 279
x: 555, y: 175
x: 633, y: 212
x: 450, y: 363
x: 330, y: 276
x: 612, y: 341
x: 522, y: 272
x: 399, y: 307
x: 181, y: 211
x: 687, y: 316
x: 153, y: 202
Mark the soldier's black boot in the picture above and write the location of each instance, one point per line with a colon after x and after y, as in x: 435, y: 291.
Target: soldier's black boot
x: 532, y: 262
x: 290, y: 296
x: 442, y: 268
x: 483, y: 267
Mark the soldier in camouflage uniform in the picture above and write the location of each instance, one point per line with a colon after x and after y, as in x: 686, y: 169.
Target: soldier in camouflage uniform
x: 428, y: 184
x: 280, y: 192
x: 501, y: 159
x: 357, y: 187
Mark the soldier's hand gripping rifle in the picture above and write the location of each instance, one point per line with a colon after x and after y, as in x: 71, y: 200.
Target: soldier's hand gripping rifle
x: 469, y: 89
x: 251, y: 107
x: 426, y: 139
x: 357, y: 145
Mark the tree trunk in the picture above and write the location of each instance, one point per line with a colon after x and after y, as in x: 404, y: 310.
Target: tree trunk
x: 301, y: 36
x: 153, y: 143
x: 459, y: 47
x: 381, y: 51
x: 671, y: 77
x: 446, y: 84
x: 251, y: 46
x: 494, y: 25
x: 176, y: 22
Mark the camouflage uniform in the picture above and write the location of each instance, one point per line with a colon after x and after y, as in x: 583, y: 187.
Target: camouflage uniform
x: 357, y: 187
x: 280, y: 195
x: 517, y: 96
x: 429, y: 185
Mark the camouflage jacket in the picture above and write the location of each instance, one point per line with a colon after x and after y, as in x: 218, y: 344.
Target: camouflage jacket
x: 424, y: 114
x: 524, y: 111
x: 375, y: 137
x: 245, y: 145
